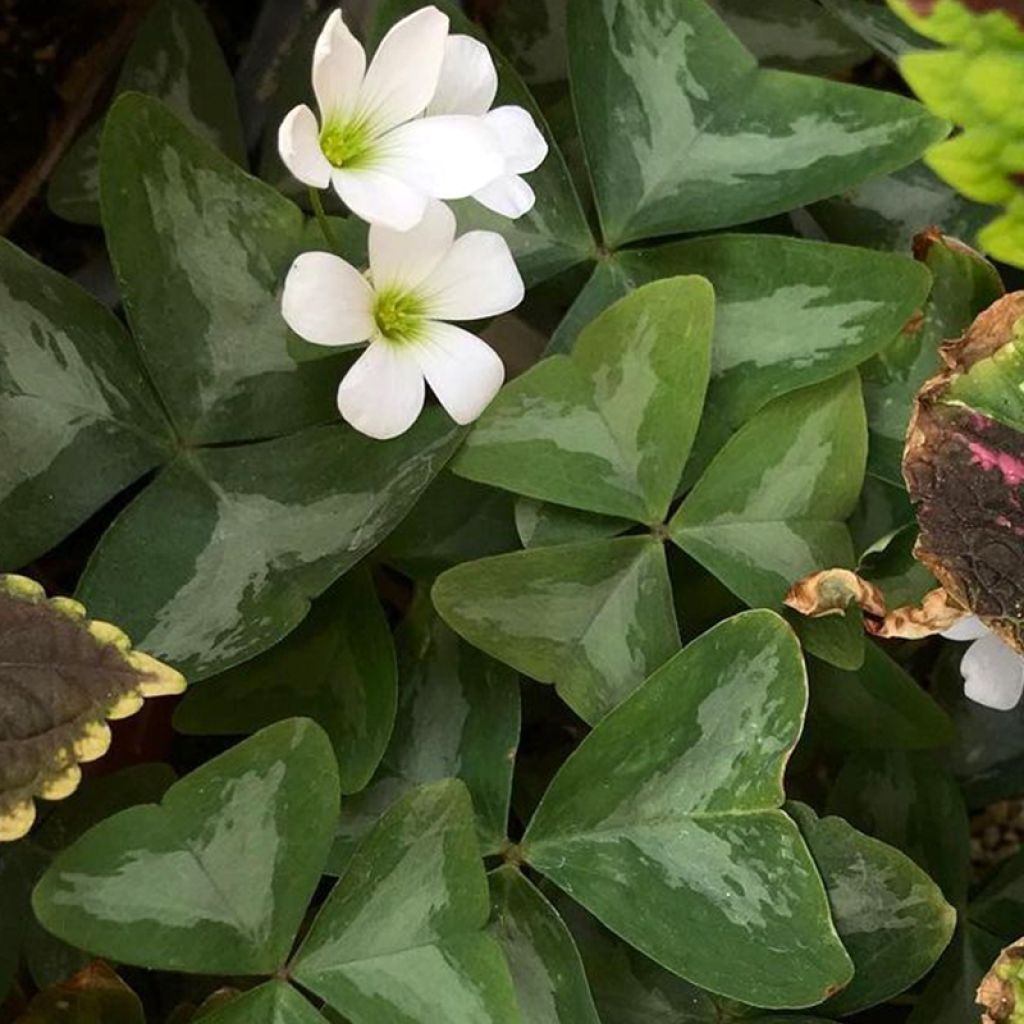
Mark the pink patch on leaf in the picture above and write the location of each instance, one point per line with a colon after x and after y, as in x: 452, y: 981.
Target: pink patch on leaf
x: 1010, y: 466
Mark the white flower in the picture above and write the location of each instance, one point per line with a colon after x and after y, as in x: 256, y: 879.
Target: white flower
x: 384, y: 160
x: 416, y: 280
x: 993, y: 671
x: 468, y: 85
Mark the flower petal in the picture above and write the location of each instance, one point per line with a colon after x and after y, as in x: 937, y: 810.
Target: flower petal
x: 298, y: 142
x: 477, y: 278
x: 509, y: 196
x: 404, y: 259
x: 379, y: 198
x: 462, y: 370
x: 468, y: 82
x: 339, y: 63
x: 403, y: 74
x: 521, y: 141
x: 993, y: 673
x: 382, y: 393
x: 968, y: 628
x: 327, y: 301
x: 448, y: 157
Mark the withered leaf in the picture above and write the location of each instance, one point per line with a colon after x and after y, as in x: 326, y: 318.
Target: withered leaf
x: 1002, y: 989
x: 95, y: 995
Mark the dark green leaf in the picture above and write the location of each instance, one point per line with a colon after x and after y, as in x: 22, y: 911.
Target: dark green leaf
x: 890, y: 915
x: 217, y: 560
x: 608, y: 428
x: 686, y: 826
x: 215, y: 879
x: 176, y: 58
x: 999, y: 907
x: 891, y: 566
x: 546, y: 967
x: 531, y: 33
x: 401, y: 938
x: 272, y: 1003
x: 879, y: 26
x: 683, y: 132
x: 337, y: 668
x: 458, y: 717
x: 595, y: 618
x: 95, y: 995
x: 78, y: 419
x: 542, y: 524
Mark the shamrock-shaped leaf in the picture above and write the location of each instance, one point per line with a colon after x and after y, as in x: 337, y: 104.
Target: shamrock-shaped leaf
x: 401, y: 938
x: 683, y: 131
x: 215, y: 879
x: 890, y: 915
x: 594, y: 618
x: 62, y: 676
x: 272, y: 1003
x: 458, y: 717
x: 337, y: 668
x: 687, y: 826
x: 608, y: 428
x: 545, y: 965
x: 95, y: 995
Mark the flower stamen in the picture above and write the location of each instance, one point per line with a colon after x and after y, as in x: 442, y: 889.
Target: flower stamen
x: 399, y: 316
x: 347, y: 144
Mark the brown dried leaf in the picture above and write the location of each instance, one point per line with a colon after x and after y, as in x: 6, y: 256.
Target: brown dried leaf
x: 832, y: 591
x: 1001, y: 990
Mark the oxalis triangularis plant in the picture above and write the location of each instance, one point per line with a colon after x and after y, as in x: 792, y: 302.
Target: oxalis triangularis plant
x: 546, y: 499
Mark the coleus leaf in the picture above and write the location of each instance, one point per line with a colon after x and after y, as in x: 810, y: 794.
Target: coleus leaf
x: 62, y: 676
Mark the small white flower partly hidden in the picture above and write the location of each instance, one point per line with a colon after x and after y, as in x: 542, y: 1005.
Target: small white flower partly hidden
x: 373, y: 144
x: 417, y: 280
x: 993, y: 671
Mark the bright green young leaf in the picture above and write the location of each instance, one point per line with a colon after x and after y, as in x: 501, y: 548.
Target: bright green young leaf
x: 992, y: 386
x: 890, y: 915
x: 200, y: 249
x: 686, y: 826
x: 217, y: 560
x: 337, y: 668
x: 542, y: 524
x: 78, y: 419
x: 458, y: 717
x: 95, y: 995
x: 274, y: 1002
x: 683, y: 132
x: 608, y: 428
x: 217, y: 877
x: 877, y: 707
x: 909, y: 800
x: 62, y: 675
x: 771, y: 506
x: 595, y: 618
x: 546, y: 967
x: 401, y: 938
x: 176, y: 58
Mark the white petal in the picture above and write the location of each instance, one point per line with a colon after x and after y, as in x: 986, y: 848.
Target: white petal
x: 403, y: 74
x: 298, y: 142
x: 462, y: 370
x: 448, y: 157
x: 405, y: 258
x: 509, y: 196
x: 521, y: 141
x: 327, y: 301
x: 382, y: 394
x: 339, y: 63
x: 380, y: 198
x: 468, y: 82
x: 968, y: 628
x: 993, y: 673
x: 477, y: 278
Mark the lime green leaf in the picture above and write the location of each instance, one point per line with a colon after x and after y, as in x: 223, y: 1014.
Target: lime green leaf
x: 78, y: 419
x: 992, y: 386
x: 458, y: 717
x: 337, y: 668
x: 683, y: 132
x: 890, y: 915
x: 401, y: 938
x: 686, y: 825
x: 608, y: 428
x: 175, y: 57
x: 200, y: 249
x: 95, y: 995
x: 272, y: 1003
x: 546, y: 967
x: 62, y: 676
x: 218, y: 558
x: 595, y: 618
x: 215, y: 879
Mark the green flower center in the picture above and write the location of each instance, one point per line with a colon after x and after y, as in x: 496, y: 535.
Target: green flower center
x: 347, y: 144
x: 399, y: 315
